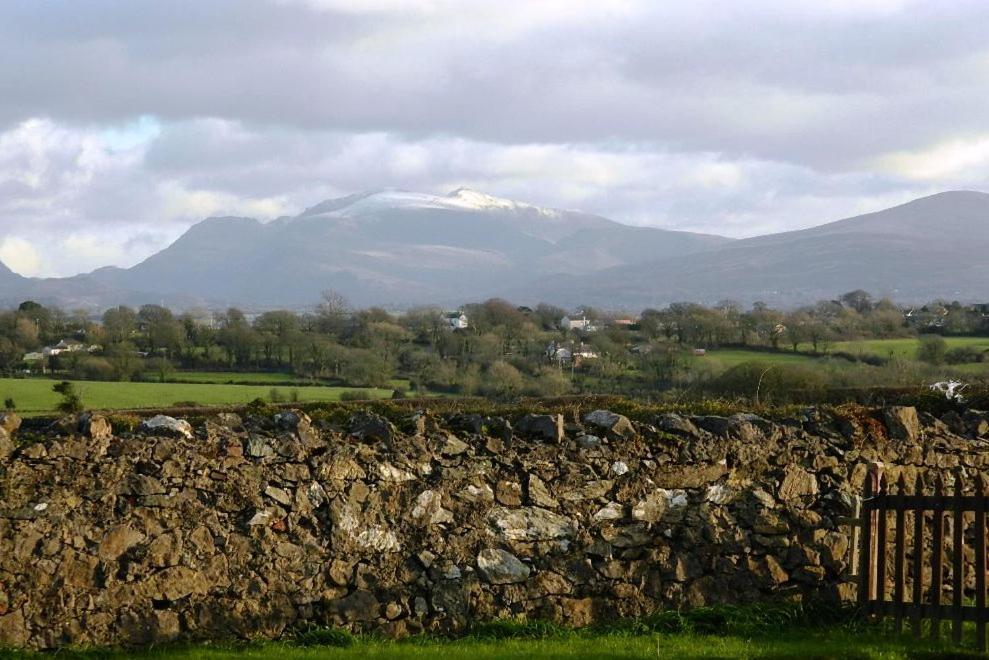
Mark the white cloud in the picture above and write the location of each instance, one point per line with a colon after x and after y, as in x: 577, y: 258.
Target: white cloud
x: 957, y: 159
x: 20, y: 256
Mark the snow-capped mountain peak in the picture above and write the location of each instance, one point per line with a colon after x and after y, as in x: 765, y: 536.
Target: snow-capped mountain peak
x: 461, y: 199
x: 477, y: 200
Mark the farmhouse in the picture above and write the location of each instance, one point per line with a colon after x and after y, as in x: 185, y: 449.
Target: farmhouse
x: 457, y: 321
x: 582, y: 324
x: 572, y: 356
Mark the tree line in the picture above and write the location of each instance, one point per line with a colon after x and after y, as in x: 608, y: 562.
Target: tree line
x: 505, y: 351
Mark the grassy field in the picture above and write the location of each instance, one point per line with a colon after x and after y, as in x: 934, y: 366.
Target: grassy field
x: 276, y: 379
x: 35, y: 395
x: 729, y: 357
x: 904, y: 348
x: 576, y: 647
x: 227, y: 377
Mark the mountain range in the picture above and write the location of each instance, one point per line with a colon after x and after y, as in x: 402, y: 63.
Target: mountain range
x: 399, y: 249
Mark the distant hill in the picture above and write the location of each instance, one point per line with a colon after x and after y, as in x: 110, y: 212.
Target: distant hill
x: 385, y: 248
x: 400, y: 249
x: 936, y: 246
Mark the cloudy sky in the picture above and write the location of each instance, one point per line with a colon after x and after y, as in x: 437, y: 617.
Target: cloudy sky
x: 122, y: 122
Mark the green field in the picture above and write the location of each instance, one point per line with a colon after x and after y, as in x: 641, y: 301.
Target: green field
x: 729, y: 357
x: 264, y: 378
x: 808, y: 644
x: 274, y: 378
x: 903, y: 348
x: 35, y: 395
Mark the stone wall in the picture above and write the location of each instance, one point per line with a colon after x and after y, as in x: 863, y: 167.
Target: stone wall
x: 257, y: 526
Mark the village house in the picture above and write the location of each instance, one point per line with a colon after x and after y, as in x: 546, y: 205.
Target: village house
x: 457, y: 321
x: 582, y: 324
x: 571, y: 356
x: 64, y: 346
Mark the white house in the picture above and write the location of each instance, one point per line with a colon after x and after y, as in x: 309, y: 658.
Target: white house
x: 64, y: 346
x: 581, y: 324
x: 457, y: 321
x: 562, y: 355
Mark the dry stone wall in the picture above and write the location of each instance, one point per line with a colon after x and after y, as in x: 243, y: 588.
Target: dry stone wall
x: 239, y: 527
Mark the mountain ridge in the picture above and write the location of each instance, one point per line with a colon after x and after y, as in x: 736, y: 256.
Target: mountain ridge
x: 391, y: 248
x: 401, y: 249
x: 926, y: 248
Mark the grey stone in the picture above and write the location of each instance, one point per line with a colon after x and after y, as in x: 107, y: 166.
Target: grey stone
x: 611, y: 423
x: 500, y: 567
x: 369, y: 426
x: 358, y: 606
x: 673, y: 423
x: 169, y: 426
x: 542, y: 427
x: 258, y: 447
x: 588, y: 442
x: 530, y: 524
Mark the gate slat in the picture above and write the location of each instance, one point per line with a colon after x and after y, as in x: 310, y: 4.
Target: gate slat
x: 937, y: 561
x: 918, y: 560
x: 899, y: 551
x: 883, y: 501
x: 865, y: 551
x: 958, y: 564
x: 980, y: 562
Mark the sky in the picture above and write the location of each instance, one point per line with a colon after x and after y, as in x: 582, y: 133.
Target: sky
x: 123, y: 122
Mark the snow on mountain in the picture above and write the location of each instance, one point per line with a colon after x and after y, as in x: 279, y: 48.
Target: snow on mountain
x: 384, y: 247
x: 461, y: 199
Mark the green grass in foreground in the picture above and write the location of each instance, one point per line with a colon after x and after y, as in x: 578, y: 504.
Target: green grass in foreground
x: 798, y: 644
x: 35, y: 395
x: 755, y: 631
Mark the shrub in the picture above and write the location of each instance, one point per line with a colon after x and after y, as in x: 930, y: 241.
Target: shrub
x: 71, y: 402
x: 503, y: 381
x: 259, y: 408
x: 768, y: 382
x: 932, y: 349
x: 355, y: 395
x: 293, y: 395
x: 9, y: 404
x: 963, y: 355
x: 325, y: 637
x: 124, y: 422
x: 275, y: 395
x: 517, y: 629
x: 94, y: 368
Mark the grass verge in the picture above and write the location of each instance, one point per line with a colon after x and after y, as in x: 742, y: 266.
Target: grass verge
x: 762, y: 631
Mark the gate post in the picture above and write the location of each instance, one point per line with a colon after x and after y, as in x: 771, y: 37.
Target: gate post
x: 868, y: 522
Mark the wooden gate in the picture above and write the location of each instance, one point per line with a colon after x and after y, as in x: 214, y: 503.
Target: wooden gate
x: 891, y: 585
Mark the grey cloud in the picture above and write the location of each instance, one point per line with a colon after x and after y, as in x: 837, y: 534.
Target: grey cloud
x: 736, y: 118
x: 760, y: 79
